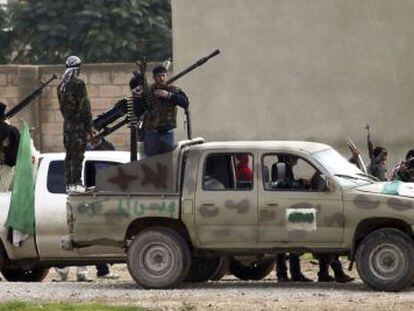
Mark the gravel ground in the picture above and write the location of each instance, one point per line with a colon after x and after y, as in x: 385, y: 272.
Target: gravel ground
x: 228, y: 294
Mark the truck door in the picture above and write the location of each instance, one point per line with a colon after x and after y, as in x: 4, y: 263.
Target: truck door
x: 226, y: 199
x: 294, y: 207
x: 50, y: 209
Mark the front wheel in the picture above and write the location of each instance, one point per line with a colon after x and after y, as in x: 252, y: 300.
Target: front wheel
x: 35, y: 274
x: 159, y: 258
x: 385, y: 260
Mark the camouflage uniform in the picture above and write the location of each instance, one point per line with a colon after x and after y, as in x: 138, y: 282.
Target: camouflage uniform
x: 161, y: 119
x: 76, y: 111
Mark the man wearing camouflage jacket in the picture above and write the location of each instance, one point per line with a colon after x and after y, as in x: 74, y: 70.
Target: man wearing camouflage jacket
x: 77, y: 127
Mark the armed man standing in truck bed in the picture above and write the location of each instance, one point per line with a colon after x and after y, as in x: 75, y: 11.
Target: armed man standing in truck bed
x: 76, y: 111
x: 161, y: 113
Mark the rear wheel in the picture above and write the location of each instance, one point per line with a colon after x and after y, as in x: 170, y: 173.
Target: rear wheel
x: 252, y: 271
x: 35, y: 274
x: 222, y: 270
x: 159, y: 258
x: 385, y: 260
x: 204, y: 268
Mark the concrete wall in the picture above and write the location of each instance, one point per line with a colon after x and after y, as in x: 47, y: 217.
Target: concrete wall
x: 105, y: 83
x: 315, y: 70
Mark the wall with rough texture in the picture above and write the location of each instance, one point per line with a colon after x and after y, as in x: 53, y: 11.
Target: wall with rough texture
x: 105, y: 83
x: 15, y: 83
x: 315, y: 70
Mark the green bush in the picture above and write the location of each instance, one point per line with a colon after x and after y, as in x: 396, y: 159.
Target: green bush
x: 5, y: 37
x: 47, y: 31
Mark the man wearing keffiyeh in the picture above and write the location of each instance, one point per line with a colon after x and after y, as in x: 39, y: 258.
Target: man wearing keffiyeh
x: 77, y: 127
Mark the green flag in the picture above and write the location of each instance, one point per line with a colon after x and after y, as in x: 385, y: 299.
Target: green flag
x: 21, y: 212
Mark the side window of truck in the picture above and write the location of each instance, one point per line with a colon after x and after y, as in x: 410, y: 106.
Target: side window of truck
x: 92, y: 167
x: 56, y: 177
x: 228, y: 172
x: 288, y: 172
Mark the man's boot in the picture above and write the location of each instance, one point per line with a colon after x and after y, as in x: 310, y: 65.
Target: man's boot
x: 281, y: 269
x: 340, y: 275
x: 295, y: 271
x: 323, y: 274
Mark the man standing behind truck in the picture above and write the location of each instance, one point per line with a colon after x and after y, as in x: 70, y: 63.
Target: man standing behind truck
x: 9, y: 142
x: 161, y: 113
x: 76, y: 111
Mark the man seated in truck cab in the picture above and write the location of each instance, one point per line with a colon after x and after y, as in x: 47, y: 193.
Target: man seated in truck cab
x: 244, y: 174
x: 215, y: 174
x: 228, y: 172
x: 292, y: 173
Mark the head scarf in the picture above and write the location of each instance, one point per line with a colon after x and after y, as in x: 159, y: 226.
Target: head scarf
x: 72, y: 64
x: 67, y: 75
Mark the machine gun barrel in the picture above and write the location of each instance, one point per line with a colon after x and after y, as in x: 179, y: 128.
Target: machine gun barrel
x: 108, y: 130
x: 29, y: 98
x: 106, y: 118
x: 184, y: 72
x: 193, y: 66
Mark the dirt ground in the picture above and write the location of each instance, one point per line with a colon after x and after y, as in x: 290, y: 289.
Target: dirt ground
x: 227, y: 294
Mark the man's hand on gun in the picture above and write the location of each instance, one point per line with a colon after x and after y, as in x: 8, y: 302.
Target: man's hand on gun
x: 161, y: 93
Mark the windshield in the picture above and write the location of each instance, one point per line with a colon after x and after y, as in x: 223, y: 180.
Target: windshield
x: 344, y: 172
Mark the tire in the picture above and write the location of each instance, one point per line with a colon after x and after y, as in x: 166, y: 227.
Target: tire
x: 385, y: 260
x: 35, y: 274
x: 203, y: 269
x: 159, y: 258
x: 255, y: 271
x: 222, y: 270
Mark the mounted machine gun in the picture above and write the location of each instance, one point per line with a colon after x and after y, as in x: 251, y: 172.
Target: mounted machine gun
x: 28, y: 99
x: 125, y: 106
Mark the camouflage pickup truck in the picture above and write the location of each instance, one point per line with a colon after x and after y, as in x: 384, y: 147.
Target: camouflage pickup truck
x: 193, y: 205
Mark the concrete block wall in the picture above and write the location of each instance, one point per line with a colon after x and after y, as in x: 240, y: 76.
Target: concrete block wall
x: 15, y: 83
x: 105, y: 83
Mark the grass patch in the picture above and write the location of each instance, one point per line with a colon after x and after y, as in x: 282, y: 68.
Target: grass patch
x: 26, y: 306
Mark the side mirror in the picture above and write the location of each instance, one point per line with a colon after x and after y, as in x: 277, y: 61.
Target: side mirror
x: 329, y: 184
x: 319, y: 183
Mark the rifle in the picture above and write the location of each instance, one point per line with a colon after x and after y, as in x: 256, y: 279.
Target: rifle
x: 354, y: 150
x: 369, y: 143
x: 28, y: 99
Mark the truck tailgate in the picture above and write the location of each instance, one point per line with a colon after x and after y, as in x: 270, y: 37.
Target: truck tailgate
x: 104, y: 219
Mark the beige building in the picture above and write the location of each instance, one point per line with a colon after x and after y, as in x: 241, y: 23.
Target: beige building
x: 315, y: 70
